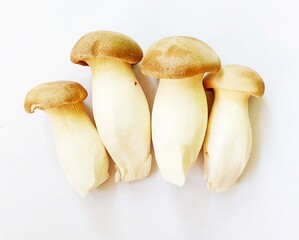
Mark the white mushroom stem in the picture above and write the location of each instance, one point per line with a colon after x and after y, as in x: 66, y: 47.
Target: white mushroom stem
x: 179, y: 122
x: 228, y: 140
x: 122, y: 115
x: 80, y: 150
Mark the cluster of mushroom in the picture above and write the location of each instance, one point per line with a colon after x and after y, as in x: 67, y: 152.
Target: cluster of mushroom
x: 179, y: 125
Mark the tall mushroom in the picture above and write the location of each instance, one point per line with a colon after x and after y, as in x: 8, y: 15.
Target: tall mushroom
x: 228, y: 140
x: 119, y: 105
x: 80, y: 150
x: 179, y: 116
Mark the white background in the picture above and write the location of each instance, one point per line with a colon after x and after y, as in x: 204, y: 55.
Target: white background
x: 36, y: 201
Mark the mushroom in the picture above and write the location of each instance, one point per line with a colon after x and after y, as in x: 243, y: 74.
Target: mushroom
x: 179, y: 116
x: 227, y: 144
x: 119, y: 105
x: 80, y: 150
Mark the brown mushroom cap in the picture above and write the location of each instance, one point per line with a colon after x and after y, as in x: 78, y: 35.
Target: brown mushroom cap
x: 54, y: 94
x: 106, y: 44
x: 236, y: 78
x: 179, y: 57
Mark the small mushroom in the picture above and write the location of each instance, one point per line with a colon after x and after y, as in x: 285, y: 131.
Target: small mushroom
x: 228, y: 141
x: 119, y: 105
x: 80, y: 150
x: 179, y: 116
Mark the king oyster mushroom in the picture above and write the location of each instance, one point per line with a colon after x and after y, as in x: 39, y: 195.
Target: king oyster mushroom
x: 228, y: 141
x: 119, y: 105
x: 179, y: 116
x: 80, y: 150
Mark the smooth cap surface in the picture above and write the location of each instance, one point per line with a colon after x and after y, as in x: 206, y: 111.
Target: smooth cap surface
x: 54, y: 94
x: 106, y: 44
x: 236, y: 78
x: 179, y: 57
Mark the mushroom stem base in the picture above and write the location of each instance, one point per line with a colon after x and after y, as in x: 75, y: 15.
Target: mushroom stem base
x: 179, y: 121
x: 228, y: 140
x: 82, y: 155
x: 122, y: 115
